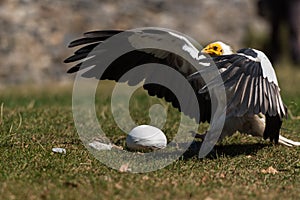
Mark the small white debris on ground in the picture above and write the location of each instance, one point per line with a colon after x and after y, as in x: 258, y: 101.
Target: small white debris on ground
x: 100, y: 146
x: 59, y: 150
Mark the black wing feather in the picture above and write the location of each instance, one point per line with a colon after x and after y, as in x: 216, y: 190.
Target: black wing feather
x: 128, y: 61
x: 252, y: 92
x: 257, y: 93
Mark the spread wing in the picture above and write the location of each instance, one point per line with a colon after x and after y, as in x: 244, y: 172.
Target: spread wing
x: 251, y: 84
x: 109, y: 54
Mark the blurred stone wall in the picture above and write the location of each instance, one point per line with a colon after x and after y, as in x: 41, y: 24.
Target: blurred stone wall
x: 34, y: 33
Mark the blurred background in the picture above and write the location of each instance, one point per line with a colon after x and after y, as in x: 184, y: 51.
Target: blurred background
x: 34, y: 34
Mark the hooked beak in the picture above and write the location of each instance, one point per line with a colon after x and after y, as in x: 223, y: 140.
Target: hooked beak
x: 210, y: 51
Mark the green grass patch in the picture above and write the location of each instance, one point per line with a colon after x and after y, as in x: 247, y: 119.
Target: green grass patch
x: 33, y: 121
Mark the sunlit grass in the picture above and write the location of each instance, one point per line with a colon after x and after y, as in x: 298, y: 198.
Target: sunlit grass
x: 33, y: 121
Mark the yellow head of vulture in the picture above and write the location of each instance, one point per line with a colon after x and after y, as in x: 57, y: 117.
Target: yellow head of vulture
x: 217, y: 49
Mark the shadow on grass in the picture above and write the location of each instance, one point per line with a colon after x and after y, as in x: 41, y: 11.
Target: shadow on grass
x: 229, y: 150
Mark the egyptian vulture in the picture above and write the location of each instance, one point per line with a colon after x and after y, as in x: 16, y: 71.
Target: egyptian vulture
x: 254, y: 104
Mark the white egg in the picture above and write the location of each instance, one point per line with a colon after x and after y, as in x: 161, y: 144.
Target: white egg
x: 146, y: 137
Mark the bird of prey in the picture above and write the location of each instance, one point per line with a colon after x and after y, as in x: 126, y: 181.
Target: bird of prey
x: 254, y: 103
x: 250, y: 82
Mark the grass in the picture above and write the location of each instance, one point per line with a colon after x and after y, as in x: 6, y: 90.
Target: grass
x: 33, y: 121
